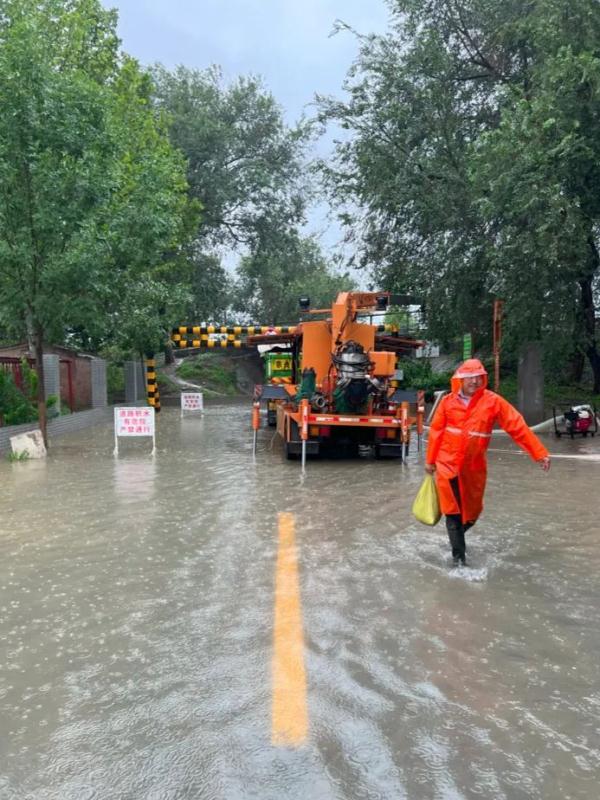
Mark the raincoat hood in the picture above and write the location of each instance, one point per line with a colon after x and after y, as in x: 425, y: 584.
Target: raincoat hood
x: 468, y: 369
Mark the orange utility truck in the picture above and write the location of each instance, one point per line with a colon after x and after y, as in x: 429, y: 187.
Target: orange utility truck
x: 342, y: 397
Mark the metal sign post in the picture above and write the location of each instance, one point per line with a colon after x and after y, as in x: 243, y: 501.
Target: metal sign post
x: 255, y: 424
x: 404, y: 428
x: 304, y: 408
x: 134, y: 422
x: 420, y: 417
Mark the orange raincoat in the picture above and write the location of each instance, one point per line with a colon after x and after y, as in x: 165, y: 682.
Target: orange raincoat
x: 459, y: 437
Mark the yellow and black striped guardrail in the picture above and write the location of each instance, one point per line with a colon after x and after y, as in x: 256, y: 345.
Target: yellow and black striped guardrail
x: 204, y: 335
x: 204, y: 341
x: 236, y: 330
x: 250, y: 330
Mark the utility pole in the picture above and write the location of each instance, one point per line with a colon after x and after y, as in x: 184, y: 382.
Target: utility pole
x: 498, y: 312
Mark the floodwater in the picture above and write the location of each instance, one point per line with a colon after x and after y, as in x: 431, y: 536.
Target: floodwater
x: 139, y: 632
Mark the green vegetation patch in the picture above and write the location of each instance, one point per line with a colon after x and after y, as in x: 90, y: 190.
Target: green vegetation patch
x: 211, y: 371
x: 16, y: 406
x: 555, y: 394
x: 22, y: 456
x: 419, y: 375
x: 166, y: 384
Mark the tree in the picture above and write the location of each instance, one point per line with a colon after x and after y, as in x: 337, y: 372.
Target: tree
x: 143, y: 322
x: 282, y: 267
x: 470, y: 182
x: 404, y: 171
x: 243, y: 161
x: 538, y: 176
x: 245, y: 167
x: 211, y: 289
x: 91, y: 193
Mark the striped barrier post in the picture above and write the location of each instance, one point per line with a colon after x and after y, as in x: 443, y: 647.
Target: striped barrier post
x: 151, y: 384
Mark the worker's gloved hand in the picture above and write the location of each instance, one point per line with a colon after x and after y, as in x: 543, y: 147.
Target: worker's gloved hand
x: 430, y: 468
x: 544, y: 463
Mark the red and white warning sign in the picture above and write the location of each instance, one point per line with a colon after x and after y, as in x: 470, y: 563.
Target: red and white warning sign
x: 134, y: 422
x: 192, y: 401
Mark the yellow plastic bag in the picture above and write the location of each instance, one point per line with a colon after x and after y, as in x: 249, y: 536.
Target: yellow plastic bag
x: 426, y: 507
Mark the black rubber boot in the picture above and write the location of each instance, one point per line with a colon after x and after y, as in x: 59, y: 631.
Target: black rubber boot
x: 456, y: 534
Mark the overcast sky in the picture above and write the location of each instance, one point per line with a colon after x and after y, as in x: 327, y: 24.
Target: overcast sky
x: 286, y: 42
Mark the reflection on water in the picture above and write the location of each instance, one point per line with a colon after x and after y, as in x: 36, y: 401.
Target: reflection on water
x: 137, y: 602
x: 135, y: 479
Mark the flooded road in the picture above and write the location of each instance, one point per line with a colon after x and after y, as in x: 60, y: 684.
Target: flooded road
x: 152, y: 610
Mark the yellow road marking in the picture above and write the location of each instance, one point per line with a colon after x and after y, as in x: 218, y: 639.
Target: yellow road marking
x: 289, y: 713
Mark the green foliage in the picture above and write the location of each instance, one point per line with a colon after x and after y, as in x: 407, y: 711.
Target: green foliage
x: 419, y: 375
x: 52, y: 406
x: 243, y: 161
x: 93, y: 197
x: 148, y: 306
x: 555, y: 393
x: 474, y: 168
x: 18, y: 407
x: 167, y: 384
x: 22, y: 456
x: 55, y: 158
x: 211, y: 371
x: 280, y: 269
x: 210, y: 287
x: 115, y: 379
x: 15, y: 407
x: 246, y: 168
x: 30, y: 380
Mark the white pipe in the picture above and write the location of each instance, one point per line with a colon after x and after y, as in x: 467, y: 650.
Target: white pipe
x: 541, y: 427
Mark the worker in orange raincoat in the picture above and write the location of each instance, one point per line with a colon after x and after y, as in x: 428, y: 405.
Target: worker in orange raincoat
x: 459, y: 436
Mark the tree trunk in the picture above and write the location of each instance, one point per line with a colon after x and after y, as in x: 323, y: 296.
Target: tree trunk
x: 41, y: 394
x: 576, y: 365
x: 169, y: 356
x: 589, y: 314
x: 576, y: 361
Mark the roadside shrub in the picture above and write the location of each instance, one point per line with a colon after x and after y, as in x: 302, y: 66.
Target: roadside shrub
x: 15, y: 408
x: 419, y: 375
x: 19, y: 407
